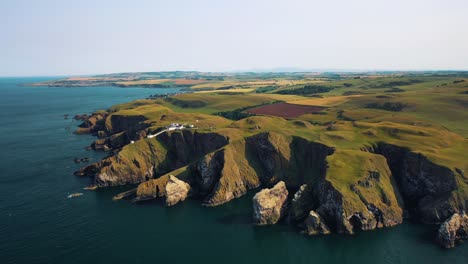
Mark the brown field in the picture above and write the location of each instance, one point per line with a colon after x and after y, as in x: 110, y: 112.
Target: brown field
x: 285, y: 110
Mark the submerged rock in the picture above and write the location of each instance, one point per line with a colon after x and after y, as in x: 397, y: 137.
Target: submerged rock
x: 453, y: 230
x: 269, y: 204
x: 176, y: 191
x: 315, y: 225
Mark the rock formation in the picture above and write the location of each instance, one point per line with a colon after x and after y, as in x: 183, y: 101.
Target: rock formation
x: 453, y: 230
x: 314, y: 225
x: 301, y: 203
x: 91, y: 123
x: 176, y: 191
x: 269, y: 204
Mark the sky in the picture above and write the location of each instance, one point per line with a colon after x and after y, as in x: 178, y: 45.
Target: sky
x: 56, y: 37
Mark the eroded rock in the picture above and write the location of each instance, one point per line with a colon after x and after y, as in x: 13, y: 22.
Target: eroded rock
x: 269, y: 204
x: 453, y: 230
x: 176, y: 191
x: 315, y: 225
x: 301, y: 203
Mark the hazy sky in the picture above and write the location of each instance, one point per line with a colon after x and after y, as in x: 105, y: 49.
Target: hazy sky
x: 86, y: 37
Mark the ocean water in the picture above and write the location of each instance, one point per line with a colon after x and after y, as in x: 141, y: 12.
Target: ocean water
x: 38, y: 224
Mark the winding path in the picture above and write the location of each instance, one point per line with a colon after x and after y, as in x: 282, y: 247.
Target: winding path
x: 157, y: 134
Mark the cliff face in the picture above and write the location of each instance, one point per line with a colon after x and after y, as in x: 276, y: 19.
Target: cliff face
x: 260, y: 160
x: 359, y: 197
x: 426, y: 187
x: 130, y: 124
x: 367, y: 202
x: 291, y: 159
x: 187, y: 146
x: 148, y: 158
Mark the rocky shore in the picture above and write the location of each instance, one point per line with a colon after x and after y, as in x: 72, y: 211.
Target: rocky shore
x: 300, y: 178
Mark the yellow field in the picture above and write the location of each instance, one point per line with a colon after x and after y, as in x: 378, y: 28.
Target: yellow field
x: 254, y: 84
x: 240, y: 90
x: 142, y: 82
x: 215, y: 85
x: 282, y: 97
x: 326, y: 101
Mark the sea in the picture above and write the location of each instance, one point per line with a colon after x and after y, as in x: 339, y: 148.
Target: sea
x: 39, y: 224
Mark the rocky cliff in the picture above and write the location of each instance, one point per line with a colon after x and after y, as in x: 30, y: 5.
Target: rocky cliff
x: 428, y: 188
x: 149, y: 158
x: 309, y: 169
x: 332, y: 190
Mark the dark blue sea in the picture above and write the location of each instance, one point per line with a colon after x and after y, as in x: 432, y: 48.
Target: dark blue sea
x: 38, y: 224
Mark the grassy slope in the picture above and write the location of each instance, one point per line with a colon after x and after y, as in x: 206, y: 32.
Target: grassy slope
x: 349, y: 167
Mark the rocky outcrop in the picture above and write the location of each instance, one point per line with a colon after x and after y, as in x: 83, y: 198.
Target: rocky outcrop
x: 176, y: 191
x: 113, y: 142
x: 152, y: 189
x: 91, y: 123
x: 100, y: 144
x: 453, y: 230
x: 314, y: 225
x: 301, y: 203
x: 269, y: 204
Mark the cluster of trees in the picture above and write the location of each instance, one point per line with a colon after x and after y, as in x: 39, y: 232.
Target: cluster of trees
x: 266, y: 89
x: 395, y: 83
x: 388, y: 106
x: 186, y: 103
x: 307, y: 89
x: 237, y: 114
x: 394, y: 90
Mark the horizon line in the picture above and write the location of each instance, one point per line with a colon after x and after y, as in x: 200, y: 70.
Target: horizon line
x: 293, y: 70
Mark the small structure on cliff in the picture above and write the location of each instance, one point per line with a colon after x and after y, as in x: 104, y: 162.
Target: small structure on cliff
x: 171, y: 127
